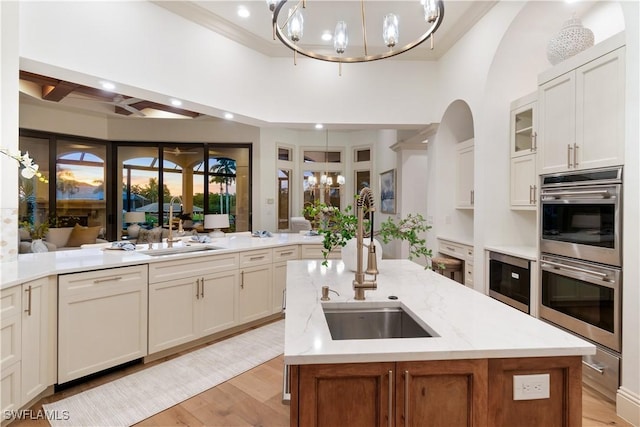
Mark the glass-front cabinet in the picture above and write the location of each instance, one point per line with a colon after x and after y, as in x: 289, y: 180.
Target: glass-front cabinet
x: 523, y: 137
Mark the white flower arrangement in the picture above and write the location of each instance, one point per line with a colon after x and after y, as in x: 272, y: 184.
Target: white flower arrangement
x: 29, y: 169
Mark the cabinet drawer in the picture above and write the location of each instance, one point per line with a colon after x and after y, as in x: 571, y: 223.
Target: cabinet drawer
x: 285, y: 253
x: 197, y: 266
x: 10, y: 327
x: 257, y: 257
x: 315, y: 252
x: 10, y: 302
x: 100, y: 281
x: 455, y: 250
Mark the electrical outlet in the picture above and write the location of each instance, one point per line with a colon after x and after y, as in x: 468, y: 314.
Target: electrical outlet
x: 530, y: 387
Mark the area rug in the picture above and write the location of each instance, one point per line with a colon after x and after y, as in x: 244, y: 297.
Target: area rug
x: 138, y: 396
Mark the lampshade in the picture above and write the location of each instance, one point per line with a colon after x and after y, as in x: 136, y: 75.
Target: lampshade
x: 134, y: 217
x: 215, y: 222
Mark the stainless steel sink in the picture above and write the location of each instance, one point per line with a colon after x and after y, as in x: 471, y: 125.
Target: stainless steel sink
x: 351, y: 323
x: 178, y: 250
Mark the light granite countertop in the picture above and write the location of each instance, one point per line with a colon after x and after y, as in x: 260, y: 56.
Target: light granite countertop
x: 468, y: 323
x: 36, y: 265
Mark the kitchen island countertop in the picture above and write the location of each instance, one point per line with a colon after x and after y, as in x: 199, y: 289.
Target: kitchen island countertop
x: 469, y: 325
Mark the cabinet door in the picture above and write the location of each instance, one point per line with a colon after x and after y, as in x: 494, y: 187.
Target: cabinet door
x: 172, y: 313
x: 523, y: 182
x: 464, y: 163
x: 523, y: 130
x: 279, y: 285
x: 557, y: 123
x: 354, y: 395
x: 218, y: 302
x: 600, y: 112
x: 10, y: 388
x: 442, y: 393
x: 102, y: 320
x: 38, y: 337
x: 255, y: 293
x: 10, y: 328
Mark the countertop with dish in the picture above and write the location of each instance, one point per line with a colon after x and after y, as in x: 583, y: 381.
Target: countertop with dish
x: 35, y: 265
x: 467, y: 323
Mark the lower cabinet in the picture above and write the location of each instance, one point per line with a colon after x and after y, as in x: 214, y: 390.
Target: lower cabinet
x: 28, y: 318
x: 102, y: 320
x: 187, y: 308
x: 255, y: 292
x: 280, y: 257
x: 435, y: 393
x: 442, y: 393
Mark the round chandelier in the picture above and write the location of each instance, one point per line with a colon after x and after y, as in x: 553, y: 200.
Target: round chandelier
x: 289, y: 29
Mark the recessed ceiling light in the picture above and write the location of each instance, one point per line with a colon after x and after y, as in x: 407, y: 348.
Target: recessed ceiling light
x: 107, y: 85
x: 319, y: 126
x: 228, y: 116
x: 326, y: 35
x: 243, y: 12
x: 176, y: 102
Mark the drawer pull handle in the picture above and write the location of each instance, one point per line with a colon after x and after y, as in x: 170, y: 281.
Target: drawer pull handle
x: 197, y: 288
x: 255, y: 258
x: 202, y: 288
x: 242, y: 279
x: 450, y: 248
x: 598, y: 368
x: 406, y: 398
x: 390, y: 403
x: 28, y: 310
x: 286, y: 253
x: 108, y: 279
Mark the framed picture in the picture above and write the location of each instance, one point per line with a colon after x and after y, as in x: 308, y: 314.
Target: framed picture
x: 388, y: 192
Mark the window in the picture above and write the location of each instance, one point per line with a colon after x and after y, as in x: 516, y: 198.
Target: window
x: 80, y: 184
x: 95, y: 182
x: 284, y: 201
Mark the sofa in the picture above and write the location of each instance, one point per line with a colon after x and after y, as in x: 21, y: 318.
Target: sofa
x: 63, y: 238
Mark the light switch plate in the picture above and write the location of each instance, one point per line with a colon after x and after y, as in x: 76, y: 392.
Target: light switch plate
x: 530, y: 387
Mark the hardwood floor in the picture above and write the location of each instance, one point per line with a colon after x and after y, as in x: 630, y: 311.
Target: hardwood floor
x: 254, y: 399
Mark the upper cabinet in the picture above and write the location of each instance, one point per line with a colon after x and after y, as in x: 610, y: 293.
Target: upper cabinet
x: 464, y: 164
x: 581, y: 123
x: 523, y: 136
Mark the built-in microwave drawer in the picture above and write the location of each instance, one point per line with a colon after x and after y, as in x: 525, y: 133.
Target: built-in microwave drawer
x: 602, y: 372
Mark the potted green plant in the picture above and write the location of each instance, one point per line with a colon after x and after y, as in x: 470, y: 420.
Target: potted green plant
x: 339, y: 227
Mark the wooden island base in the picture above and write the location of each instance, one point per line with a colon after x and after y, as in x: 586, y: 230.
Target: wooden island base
x: 474, y: 392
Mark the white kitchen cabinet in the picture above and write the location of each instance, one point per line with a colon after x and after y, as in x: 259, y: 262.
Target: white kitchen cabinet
x: 102, y: 320
x: 581, y: 122
x: 10, y: 348
x: 523, y: 135
x: 28, y: 317
x: 280, y: 258
x: 464, y: 175
x: 314, y: 251
x: 39, y: 326
x: 184, y: 306
x: 172, y: 313
x: 523, y: 183
x: 255, y: 293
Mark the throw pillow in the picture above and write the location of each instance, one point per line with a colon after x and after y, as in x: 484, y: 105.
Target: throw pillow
x: 59, y: 236
x: 83, y: 235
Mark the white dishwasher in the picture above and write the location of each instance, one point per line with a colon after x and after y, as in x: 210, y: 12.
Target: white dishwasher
x: 102, y: 320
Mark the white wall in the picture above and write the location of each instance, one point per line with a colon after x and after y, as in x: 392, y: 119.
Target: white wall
x: 155, y: 54
x: 8, y: 131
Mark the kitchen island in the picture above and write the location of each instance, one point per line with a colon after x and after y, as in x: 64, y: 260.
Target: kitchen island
x: 462, y: 375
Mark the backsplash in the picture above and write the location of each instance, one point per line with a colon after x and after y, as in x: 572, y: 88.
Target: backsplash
x: 8, y: 234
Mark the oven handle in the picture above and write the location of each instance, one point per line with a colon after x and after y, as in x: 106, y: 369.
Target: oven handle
x: 556, y: 194
x: 604, y: 276
x: 599, y: 369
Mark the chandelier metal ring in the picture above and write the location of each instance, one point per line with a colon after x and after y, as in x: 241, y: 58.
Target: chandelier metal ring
x: 279, y: 32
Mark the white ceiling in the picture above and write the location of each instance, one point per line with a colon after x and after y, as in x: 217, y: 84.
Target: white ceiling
x: 320, y: 15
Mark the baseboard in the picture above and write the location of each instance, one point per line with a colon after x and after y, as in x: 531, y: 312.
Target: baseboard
x: 628, y: 406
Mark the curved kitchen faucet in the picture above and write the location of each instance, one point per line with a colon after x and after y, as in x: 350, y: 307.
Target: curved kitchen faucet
x: 360, y: 284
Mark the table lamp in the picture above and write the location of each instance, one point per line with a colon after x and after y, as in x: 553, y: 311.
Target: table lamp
x: 216, y: 222
x: 133, y: 218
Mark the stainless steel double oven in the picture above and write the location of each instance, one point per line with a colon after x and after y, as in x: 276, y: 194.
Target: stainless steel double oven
x: 581, y: 263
